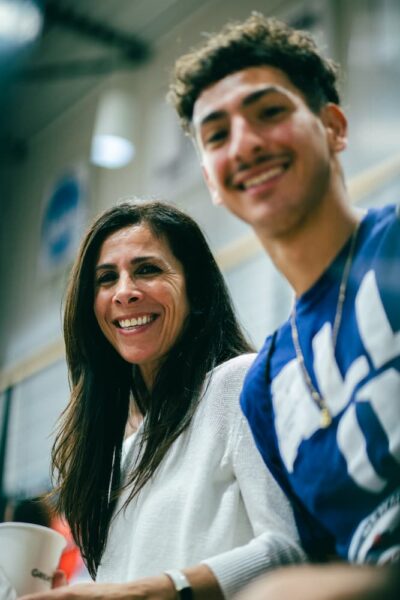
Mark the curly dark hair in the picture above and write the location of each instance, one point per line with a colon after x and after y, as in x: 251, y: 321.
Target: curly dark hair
x: 254, y: 42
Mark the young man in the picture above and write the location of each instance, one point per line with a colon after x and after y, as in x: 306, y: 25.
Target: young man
x: 323, y: 397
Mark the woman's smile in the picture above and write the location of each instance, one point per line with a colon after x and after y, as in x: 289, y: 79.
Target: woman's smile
x: 137, y: 323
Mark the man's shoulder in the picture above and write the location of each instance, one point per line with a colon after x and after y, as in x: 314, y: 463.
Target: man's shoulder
x: 379, y: 244
x: 255, y: 380
x: 381, y: 218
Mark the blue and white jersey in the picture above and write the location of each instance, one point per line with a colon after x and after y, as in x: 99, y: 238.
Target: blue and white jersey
x: 344, y: 480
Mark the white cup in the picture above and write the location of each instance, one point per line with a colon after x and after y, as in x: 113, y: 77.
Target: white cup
x: 29, y: 555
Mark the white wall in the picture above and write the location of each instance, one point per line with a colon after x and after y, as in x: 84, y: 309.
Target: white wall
x: 30, y: 304
x: 30, y: 314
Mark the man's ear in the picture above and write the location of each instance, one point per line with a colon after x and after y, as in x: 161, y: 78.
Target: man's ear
x: 335, y: 123
x: 215, y: 197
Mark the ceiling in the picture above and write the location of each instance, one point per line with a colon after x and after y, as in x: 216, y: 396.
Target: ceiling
x: 82, y: 42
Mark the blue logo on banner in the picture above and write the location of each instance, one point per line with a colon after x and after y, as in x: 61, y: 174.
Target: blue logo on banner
x: 62, y: 222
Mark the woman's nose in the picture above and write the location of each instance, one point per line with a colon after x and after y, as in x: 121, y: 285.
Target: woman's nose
x: 126, y: 291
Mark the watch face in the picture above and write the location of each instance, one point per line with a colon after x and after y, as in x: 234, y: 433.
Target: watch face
x: 181, y: 584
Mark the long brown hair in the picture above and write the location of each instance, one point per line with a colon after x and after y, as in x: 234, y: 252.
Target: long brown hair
x: 87, y: 450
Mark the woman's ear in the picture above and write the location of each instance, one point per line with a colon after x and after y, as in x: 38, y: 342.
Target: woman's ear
x: 215, y: 197
x: 335, y: 123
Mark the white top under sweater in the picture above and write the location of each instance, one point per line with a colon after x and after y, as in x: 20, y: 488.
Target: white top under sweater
x: 211, y: 500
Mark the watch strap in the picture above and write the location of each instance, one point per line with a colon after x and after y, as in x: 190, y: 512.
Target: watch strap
x: 181, y: 583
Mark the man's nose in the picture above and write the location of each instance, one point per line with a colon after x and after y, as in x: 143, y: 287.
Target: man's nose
x: 245, y: 140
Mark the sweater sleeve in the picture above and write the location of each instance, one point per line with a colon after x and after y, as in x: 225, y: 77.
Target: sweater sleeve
x: 275, y: 541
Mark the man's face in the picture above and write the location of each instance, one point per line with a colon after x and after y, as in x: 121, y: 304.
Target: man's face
x: 265, y: 155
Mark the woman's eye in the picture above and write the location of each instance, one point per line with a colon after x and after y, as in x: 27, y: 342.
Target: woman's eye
x: 106, y: 277
x: 147, y: 269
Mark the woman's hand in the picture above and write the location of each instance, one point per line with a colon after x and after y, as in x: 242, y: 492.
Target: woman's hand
x: 59, y: 579
x: 203, y: 581
x: 150, y: 588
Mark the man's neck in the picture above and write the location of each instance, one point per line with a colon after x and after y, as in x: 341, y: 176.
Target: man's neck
x: 304, y: 254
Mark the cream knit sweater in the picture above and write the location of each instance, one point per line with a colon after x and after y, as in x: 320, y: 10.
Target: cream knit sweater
x: 212, y: 500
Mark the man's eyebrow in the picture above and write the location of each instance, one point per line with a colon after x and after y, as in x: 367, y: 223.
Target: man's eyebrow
x: 213, y: 116
x: 260, y: 93
x: 246, y: 101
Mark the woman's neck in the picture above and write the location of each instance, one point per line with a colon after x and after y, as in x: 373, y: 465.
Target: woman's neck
x: 135, y: 419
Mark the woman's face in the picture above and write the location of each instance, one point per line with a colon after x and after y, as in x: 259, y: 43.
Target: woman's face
x: 140, y: 297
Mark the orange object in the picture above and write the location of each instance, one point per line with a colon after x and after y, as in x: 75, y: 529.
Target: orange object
x: 71, y: 561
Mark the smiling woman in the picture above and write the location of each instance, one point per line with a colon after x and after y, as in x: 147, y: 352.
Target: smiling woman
x: 140, y: 302
x: 155, y: 465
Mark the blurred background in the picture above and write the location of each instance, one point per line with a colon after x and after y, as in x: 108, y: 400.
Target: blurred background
x: 84, y: 124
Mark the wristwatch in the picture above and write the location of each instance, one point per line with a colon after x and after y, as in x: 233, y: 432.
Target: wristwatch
x: 181, y: 583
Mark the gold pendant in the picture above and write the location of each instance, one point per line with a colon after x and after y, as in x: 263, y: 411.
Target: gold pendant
x: 326, y: 418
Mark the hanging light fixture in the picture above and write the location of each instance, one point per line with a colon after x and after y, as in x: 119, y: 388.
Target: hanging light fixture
x: 20, y: 23
x: 112, y: 140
